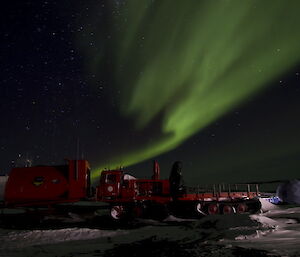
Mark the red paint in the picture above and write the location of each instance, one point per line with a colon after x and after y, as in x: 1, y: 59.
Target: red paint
x: 114, y: 188
x: 49, y: 185
x: 43, y: 184
x: 156, y: 170
x: 110, y: 185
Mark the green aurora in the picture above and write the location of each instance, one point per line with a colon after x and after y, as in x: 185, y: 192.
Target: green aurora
x: 191, y: 62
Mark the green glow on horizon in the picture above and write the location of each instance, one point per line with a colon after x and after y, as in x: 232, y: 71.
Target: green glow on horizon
x: 194, y: 61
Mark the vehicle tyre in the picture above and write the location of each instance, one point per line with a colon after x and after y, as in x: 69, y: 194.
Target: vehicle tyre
x: 228, y: 209
x: 213, y: 208
x: 241, y: 208
x: 254, y: 206
x: 117, y: 212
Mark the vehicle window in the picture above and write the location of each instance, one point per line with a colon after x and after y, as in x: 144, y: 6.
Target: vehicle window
x: 126, y: 183
x: 110, y: 179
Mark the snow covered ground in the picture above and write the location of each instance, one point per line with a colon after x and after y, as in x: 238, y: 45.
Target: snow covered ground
x: 276, y: 232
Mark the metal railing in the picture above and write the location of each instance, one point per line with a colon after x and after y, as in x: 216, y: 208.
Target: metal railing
x: 217, y: 189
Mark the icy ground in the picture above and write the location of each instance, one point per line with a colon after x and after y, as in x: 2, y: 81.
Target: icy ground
x: 276, y: 232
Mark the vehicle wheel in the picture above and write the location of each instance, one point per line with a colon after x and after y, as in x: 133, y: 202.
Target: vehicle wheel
x: 227, y: 209
x: 253, y: 206
x: 117, y: 212
x: 241, y: 208
x: 213, y: 208
x: 199, y: 208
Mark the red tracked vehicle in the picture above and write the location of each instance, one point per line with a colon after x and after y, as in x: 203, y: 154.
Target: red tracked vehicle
x: 127, y: 196
x: 156, y: 198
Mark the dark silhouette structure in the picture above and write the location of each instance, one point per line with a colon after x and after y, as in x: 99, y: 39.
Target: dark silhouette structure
x: 176, y: 181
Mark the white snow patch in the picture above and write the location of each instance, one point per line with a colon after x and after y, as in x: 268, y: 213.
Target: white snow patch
x: 16, y: 239
x: 265, y: 221
x: 267, y: 206
x: 279, y: 232
x: 171, y: 218
x: 276, y: 231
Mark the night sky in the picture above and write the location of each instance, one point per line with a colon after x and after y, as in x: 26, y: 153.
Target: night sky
x: 215, y: 84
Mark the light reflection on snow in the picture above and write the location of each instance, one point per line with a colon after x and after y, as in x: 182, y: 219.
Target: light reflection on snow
x: 276, y: 230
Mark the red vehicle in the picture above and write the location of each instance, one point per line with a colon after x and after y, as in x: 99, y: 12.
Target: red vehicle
x: 48, y: 185
x: 154, y: 197
x: 127, y: 196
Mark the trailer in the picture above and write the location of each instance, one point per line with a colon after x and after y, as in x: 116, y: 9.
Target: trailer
x: 51, y: 188
x: 48, y: 185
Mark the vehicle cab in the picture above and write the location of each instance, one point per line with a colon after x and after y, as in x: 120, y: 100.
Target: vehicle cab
x: 115, y: 185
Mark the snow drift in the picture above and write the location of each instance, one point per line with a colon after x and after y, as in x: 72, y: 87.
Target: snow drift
x: 276, y: 232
